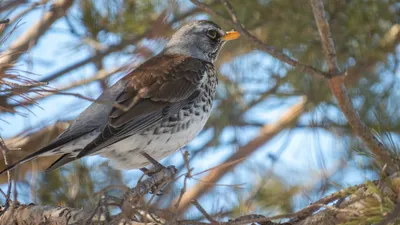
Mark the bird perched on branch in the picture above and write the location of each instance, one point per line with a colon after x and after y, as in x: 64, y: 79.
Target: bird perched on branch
x: 156, y: 109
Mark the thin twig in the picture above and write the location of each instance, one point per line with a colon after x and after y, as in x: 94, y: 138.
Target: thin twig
x: 158, y: 188
x: 16, y: 86
x: 202, y: 210
x: 187, y: 176
x: 60, y: 90
x: 4, y: 150
x: 3, y: 193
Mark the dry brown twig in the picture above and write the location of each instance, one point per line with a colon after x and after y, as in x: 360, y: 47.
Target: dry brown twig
x: 5, y: 151
x: 203, y: 211
x: 188, y: 175
x: 14, y: 84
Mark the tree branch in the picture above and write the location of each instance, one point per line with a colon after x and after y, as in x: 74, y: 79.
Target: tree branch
x: 339, y: 90
x: 131, y: 200
x: 355, y: 206
x: 5, y: 151
x: 326, y: 36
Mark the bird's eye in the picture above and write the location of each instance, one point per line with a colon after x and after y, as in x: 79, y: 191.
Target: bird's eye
x: 212, y: 34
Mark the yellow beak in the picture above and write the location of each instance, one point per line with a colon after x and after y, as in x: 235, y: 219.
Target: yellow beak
x: 231, y: 35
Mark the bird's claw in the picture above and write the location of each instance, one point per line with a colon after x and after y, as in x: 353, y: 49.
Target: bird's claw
x: 157, y: 167
x: 159, y: 189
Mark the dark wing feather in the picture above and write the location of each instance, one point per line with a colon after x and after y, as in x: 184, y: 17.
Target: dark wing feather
x: 159, y: 87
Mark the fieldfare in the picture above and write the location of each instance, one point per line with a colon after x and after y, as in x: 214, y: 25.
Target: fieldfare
x: 157, y: 108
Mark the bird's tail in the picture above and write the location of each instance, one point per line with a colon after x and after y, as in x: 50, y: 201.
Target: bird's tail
x: 22, y: 161
x: 64, y: 159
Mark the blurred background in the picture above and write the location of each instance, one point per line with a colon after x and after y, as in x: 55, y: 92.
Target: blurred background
x: 297, y: 143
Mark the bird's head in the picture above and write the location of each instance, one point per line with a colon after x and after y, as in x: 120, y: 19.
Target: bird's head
x: 200, y: 39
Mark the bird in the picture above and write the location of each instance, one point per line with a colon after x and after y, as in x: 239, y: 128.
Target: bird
x: 156, y: 108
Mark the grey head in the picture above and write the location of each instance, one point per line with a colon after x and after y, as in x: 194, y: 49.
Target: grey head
x: 200, y: 39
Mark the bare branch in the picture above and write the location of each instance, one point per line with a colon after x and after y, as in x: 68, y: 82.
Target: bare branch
x: 202, y: 210
x: 187, y: 176
x: 326, y: 35
x: 4, y: 151
x: 20, y: 86
x: 339, y: 90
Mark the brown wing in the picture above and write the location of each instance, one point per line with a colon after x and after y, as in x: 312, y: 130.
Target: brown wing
x: 158, y: 88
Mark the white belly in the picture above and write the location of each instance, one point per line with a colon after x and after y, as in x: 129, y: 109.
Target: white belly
x: 125, y: 154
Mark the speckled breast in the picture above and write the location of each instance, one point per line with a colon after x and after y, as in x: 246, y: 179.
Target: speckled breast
x: 169, y: 135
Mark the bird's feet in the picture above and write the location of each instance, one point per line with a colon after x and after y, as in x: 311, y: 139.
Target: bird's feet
x: 156, y: 168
